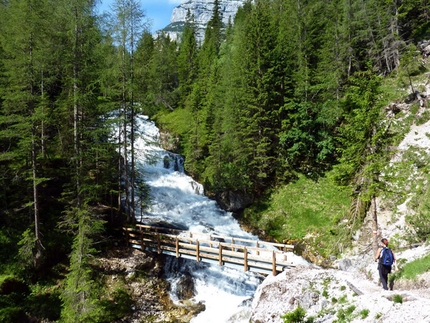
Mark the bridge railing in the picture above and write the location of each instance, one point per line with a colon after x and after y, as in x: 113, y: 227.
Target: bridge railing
x: 258, y: 256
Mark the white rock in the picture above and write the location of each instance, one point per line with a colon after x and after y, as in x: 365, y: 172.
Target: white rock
x: 202, y: 11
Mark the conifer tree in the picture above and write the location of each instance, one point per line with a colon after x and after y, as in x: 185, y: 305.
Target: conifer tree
x: 127, y: 26
x: 257, y: 119
x: 198, y: 102
x: 79, y: 295
x: 23, y: 40
x: 187, y: 58
x: 362, y: 138
x: 144, y: 78
x: 165, y: 72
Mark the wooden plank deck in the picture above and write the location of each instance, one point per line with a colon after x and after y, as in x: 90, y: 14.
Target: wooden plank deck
x: 250, y: 255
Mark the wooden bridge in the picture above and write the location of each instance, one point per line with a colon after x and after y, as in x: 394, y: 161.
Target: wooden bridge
x: 251, y: 255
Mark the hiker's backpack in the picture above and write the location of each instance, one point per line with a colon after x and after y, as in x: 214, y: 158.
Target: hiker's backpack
x: 387, y: 257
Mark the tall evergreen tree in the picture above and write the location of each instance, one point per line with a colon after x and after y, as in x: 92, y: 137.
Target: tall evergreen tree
x: 127, y: 26
x: 23, y: 41
x: 187, y: 58
x: 198, y: 102
x: 144, y: 78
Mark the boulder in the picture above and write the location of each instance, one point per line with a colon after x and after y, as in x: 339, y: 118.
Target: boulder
x: 234, y: 201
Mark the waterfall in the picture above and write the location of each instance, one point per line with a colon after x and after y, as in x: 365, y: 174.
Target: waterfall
x: 179, y: 200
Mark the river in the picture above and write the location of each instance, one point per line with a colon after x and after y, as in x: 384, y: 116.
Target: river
x: 179, y: 200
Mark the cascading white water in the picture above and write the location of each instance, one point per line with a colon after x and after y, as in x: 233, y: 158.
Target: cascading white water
x: 177, y: 199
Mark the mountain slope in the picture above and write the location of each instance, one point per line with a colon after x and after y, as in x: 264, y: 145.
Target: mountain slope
x: 202, y: 12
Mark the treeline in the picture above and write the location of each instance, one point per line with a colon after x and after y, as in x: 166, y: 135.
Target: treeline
x: 291, y: 86
x: 68, y: 104
x: 287, y: 87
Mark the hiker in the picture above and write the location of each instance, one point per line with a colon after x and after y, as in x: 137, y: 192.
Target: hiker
x: 386, y: 259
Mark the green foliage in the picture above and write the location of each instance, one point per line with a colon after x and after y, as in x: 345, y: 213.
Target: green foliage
x: 345, y: 315
x: 420, y: 220
x: 364, y: 313
x: 302, y: 206
x: 296, y: 316
x: 44, y: 301
x: 413, y: 268
x: 397, y: 298
x: 343, y: 299
x: 12, y: 314
x: 421, y: 223
x: 27, y: 244
x: 276, y: 99
x: 79, y: 294
x: 117, y: 306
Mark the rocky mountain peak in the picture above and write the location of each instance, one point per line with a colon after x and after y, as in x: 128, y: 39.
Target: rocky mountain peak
x: 202, y: 11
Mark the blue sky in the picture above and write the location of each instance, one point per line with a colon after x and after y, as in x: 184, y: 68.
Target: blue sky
x: 158, y: 11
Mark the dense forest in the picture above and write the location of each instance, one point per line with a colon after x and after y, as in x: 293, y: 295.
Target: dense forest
x: 289, y: 87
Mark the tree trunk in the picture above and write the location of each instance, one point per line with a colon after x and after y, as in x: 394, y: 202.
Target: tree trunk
x: 38, y: 243
x: 376, y: 236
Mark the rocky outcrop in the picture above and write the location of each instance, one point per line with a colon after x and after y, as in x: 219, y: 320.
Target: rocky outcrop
x: 234, y: 201
x: 142, y: 274
x: 337, y: 296
x: 202, y: 12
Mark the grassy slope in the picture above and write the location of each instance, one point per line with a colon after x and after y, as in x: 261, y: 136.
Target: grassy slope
x: 301, y: 208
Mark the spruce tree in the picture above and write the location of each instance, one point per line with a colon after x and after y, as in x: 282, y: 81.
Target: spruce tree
x: 187, y: 58
x: 127, y: 25
x: 22, y: 39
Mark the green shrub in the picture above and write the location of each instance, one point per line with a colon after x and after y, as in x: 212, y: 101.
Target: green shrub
x: 342, y: 299
x: 296, y: 316
x: 350, y: 310
x: 12, y: 315
x: 345, y: 315
x: 397, y: 298
x: 364, y: 313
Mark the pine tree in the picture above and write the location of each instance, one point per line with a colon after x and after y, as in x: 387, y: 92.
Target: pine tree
x: 79, y: 293
x: 23, y: 41
x: 144, y: 78
x: 127, y: 25
x: 165, y: 71
x: 187, y: 58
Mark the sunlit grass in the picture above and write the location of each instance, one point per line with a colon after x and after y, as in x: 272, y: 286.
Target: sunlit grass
x: 416, y: 267
x: 300, y: 208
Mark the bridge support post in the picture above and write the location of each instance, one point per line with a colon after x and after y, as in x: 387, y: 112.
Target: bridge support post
x: 245, y: 259
x: 158, y: 243
x: 273, y: 263
x: 197, y: 251
x: 220, y: 254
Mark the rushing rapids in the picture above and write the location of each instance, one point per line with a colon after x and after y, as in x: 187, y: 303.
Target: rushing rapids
x: 180, y: 201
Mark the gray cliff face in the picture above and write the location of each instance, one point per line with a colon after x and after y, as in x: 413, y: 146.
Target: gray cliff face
x: 202, y: 11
